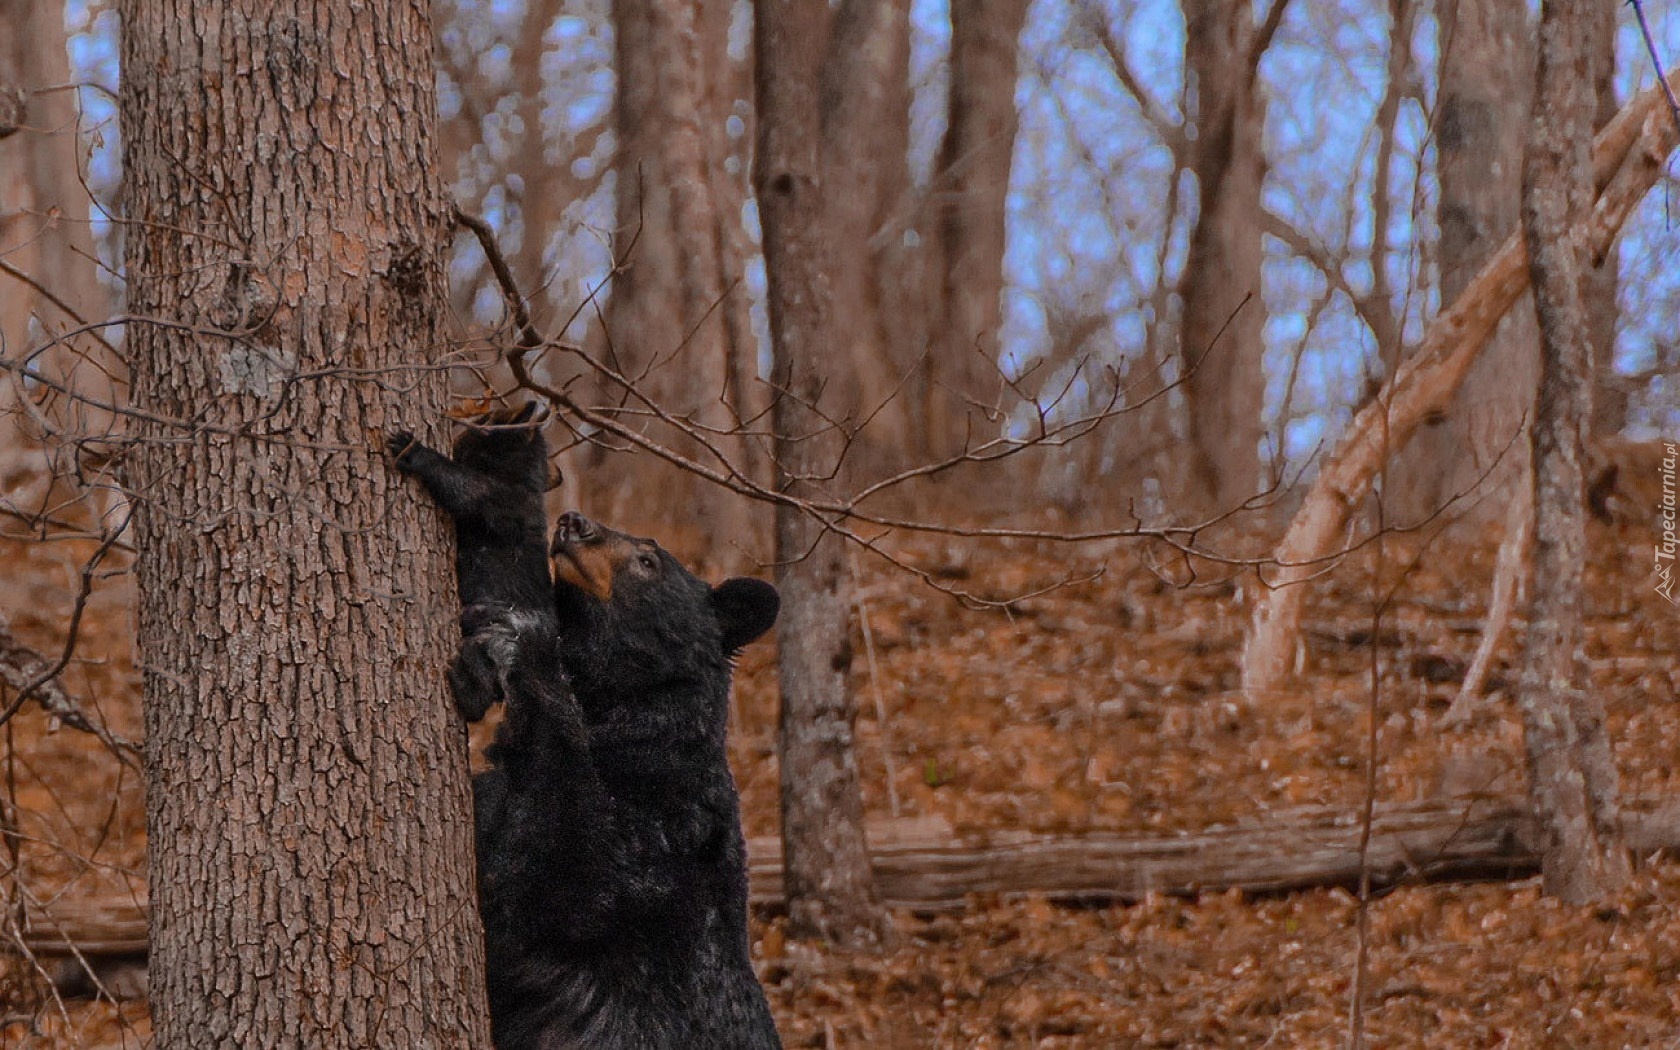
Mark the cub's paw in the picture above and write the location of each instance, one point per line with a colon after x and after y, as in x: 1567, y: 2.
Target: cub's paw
x: 475, y: 684
x: 401, y: 445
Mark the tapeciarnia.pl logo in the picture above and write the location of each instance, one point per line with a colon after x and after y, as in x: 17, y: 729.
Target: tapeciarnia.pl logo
x: 1668, y: 543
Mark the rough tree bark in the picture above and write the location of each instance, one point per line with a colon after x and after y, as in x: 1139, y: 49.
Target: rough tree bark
x: 1220, y: 346
x: 311, y: 856
x: 1571, y: 771
x: 1487, y: 76
x: 664, y: 319
x: 831, y: 887
x: 1627, y: 161
x: 971, y: 186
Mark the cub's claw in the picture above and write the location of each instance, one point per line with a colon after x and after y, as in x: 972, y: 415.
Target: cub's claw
x: 399, y: 443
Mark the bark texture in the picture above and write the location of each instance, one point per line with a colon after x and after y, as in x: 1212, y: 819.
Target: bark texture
x: 971, y: 187
x: 1572, y: 773
x: 311, y: 857
x: 1220, y: 335
x: 1487, y: 77
x: 831, y: 887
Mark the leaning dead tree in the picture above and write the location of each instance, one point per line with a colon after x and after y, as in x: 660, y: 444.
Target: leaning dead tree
x: 1628, y: 159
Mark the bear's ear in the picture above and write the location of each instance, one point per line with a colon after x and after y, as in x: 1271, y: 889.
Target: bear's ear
x: 746, y: 608
x: 523, y: 413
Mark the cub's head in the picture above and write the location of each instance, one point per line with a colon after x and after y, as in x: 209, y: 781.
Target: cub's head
x: 631, y: 615
x: 503, y: 441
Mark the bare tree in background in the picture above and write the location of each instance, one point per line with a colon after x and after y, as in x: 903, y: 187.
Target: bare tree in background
x: 1572, y: 772
x: 311, y: 856
x: 1481, y: 122
x: 830, y: 884
x: 48, y: 270
x: 1611, y: 393
x: 1221, y: 350
x: 971, y: 186
x: 668, y: 325
x: 878, y: 284
x: 727, y: 93
x: 1628, y: 159
x: 508, y: 150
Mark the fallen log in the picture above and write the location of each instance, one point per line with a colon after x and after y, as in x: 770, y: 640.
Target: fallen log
x: 1436, y: 840
x: 88, y: 926
x: 920, y: 866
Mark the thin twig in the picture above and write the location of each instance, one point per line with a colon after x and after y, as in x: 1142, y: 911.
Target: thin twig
x: 1656, y: 61
x: 42, y: 685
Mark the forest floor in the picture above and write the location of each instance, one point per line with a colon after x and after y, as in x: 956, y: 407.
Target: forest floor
x: 1110, y: 704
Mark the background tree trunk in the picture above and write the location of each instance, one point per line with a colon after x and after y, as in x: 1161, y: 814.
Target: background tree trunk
x: 45, y: 243
x: 727, y: 97
x: 971, y: 188
x: 1610, y: 396
x: 1487, y: 77
x: 1220, y: 345
x: 830, y: 885
x: 866, y: 134
x: 1572, y: 773
x: 667, y: 320
x: 311, y: 857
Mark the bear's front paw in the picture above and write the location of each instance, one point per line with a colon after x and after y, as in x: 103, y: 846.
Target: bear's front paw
x: 401, y: 444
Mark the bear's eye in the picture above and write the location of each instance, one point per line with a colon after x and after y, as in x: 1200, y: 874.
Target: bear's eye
x: 647, y: 562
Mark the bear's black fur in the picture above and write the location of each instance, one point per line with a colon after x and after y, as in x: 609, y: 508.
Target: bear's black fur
x: 612, y: 873
x: 493, y: 488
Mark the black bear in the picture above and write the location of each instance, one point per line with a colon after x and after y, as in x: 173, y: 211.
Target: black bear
x: 612, y: 872
x: 493, y: 489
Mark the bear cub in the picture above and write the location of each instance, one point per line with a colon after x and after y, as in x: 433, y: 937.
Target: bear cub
x: 612, y: 871
x: 492, y: 486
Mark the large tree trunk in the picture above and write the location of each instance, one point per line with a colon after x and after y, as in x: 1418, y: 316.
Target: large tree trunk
x: 831, y: 888
x: 48, y: 284
x: 1572, y: 773
x: 971, y: 187
x: 1487, y: 75
x: 1221, y: 350
x: 311, y: 858
x: 666, y: 320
